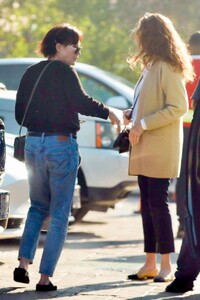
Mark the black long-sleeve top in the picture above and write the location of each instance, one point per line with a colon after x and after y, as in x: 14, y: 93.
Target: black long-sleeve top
x: 57, y: 100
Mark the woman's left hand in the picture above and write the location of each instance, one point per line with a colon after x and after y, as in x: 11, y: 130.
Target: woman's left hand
x: 135, y: 133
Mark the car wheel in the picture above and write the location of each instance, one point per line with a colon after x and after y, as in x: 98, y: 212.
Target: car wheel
x: 80, y: 213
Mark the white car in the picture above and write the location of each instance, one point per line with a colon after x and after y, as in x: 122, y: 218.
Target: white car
x: 103, y: 174
x: 15, y: 183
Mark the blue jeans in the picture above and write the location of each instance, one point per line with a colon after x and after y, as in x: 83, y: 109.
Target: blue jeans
x: 52, y: 163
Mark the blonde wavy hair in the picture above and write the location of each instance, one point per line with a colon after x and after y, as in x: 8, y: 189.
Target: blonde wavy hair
x: 157, y: 39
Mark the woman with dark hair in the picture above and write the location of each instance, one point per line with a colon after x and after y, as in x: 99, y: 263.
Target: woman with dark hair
x: 51, y: 149
x: 156, y: 136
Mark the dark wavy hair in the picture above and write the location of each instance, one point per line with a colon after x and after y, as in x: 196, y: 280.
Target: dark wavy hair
x: 64, y: 34
x: 157, y: 39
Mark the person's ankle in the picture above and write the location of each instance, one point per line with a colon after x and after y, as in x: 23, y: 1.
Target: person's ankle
x: 24, y: 263
x: 44, y: 280
x: 147, y: 268
x: 23, y: 266
x: 165, y: 271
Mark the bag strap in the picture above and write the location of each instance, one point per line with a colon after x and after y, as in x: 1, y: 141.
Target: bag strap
x: 135, y: 102
x: 136, y: 99
x: 31, y: 96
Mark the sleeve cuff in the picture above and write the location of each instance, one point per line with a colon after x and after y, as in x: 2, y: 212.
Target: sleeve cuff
x: 143, y: 124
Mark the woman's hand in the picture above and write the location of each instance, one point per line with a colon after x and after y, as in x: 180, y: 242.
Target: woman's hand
x: 127, y: 116
x: 135, y: 133
x: 114, y: 119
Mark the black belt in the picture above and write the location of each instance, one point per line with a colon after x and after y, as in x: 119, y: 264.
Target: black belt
x: 30, y: 133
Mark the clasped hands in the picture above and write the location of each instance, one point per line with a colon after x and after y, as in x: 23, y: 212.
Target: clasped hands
x: 136, y: 130
x: 114, y: 119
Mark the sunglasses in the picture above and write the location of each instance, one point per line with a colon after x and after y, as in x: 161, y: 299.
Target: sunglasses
x: 76, y: 48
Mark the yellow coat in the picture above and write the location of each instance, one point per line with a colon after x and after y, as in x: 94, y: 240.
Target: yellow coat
x: 162, y: 103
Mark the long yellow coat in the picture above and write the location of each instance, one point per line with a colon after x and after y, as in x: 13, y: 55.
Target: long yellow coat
x: 162, y: 103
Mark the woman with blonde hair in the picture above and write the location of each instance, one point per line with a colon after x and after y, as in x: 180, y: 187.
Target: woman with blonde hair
x: 156, y: 135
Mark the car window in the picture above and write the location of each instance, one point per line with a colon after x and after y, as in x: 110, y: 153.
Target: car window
x: 11, y: 74
x: 96, y: 89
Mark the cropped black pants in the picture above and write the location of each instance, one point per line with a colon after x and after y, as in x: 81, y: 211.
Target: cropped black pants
x: 156, y: 219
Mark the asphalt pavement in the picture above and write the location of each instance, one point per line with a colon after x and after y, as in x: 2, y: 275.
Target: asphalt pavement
x: 98, y: 255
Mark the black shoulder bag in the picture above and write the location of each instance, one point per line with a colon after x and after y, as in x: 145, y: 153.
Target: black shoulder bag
x: 19, y: 142
x: 122, y: 140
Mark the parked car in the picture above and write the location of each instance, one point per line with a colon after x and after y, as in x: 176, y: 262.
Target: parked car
x: 103, y: 174
x: 4, y: 209
x: 4, y: 195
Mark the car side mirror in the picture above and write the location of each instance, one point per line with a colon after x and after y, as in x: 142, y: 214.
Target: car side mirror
x: 2, y: 86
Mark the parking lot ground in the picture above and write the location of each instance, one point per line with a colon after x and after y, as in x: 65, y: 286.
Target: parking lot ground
x: 98, y: 255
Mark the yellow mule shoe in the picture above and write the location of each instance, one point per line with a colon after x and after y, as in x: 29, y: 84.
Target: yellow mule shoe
x: 143, y: 275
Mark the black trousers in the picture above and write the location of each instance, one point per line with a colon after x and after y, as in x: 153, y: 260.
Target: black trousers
x: 156, y: 219
x: 188, y: 263
x: 181, y: 183
x: 188, y: 267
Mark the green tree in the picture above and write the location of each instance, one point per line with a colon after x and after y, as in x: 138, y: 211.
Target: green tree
x: 23, y: 24
x: 106, y: 25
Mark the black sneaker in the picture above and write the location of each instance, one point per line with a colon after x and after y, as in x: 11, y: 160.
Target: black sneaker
x: 20, y: 275
x: 180, y: 286
x: 46, y: 288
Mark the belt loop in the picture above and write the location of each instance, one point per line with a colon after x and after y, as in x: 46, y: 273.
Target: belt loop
x: 42, y: 138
